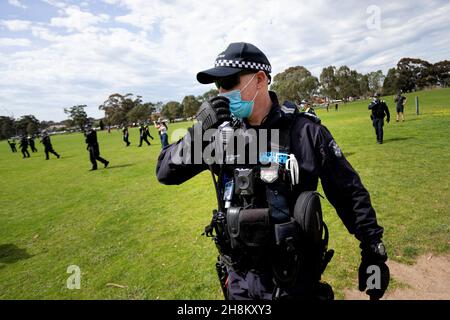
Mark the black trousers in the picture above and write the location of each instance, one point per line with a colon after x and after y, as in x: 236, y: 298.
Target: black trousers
x: 33, y: 148
x: 25, y: 153
x: 259, y: 285
x: 94, y: 154
x: 50, y: 150
x: 144, y: 138
x: 378, y: 124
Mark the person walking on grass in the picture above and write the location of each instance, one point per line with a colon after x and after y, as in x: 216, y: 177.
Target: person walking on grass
x: 93, y: 148
x: 126, y: 136
x: 32, y: 144
x: 143, y: 134
x: 12, y: 145
x: 24, y: 147
x: 48, y: 148
x: 379, y: 110
x: 401, y: 102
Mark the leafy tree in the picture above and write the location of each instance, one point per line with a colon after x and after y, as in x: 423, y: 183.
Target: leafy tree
x: 190, y: 106
x: 78, y: 115
x: 140, y: 112
x: 45, y: 124
x: 7, y: 127
x: 348, y: 82
x: 414, y: 74
x: 172, y: 110
x: 117, y: 106
x: 390, y: 83
x: 295, y: 84
x: 376, y: 80
x: 441, y: 71
x: 364, y: 88
x: 329, y: 82
x: 32, y: 128
x: 22, y: 124
x: 208, y: 95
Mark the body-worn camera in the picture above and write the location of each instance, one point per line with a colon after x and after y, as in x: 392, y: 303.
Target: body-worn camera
x: 244, y: 181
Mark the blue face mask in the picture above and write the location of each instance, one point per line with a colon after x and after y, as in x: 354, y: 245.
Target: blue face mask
x: 239, y: 108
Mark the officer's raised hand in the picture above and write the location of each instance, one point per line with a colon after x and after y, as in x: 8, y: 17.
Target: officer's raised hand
x: 373, y: 273
x: 213, y: 112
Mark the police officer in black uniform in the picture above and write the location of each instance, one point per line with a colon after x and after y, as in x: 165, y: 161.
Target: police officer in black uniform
x: 143, y: 134
x: 264, y: 227
x: 126, y: 136
x: 32, y: 144
x: 93, y: 148
x: 24, y: 147
x: 48, y: 148
x: 12, y: 145
x: 379, y: 110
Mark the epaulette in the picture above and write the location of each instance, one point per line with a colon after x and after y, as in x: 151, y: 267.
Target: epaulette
x: 310, y: 116
x: 289, y: 107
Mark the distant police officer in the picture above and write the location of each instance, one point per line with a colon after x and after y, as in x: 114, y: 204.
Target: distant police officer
x: 268, y: 226
x: 12, y: 145
x: 48, y: 148
x: 24, y: 147
x: 379, y: 111
x: 32, y: 144
x: 143, y: 134
x: 93, y: 148
x: 147, y: 132
x: 400, y: 101
x: 126, y: 136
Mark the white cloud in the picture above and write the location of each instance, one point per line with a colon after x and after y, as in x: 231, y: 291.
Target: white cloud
x: 16, y: 25
x: 14, y: 42
x: 17, y: 3
x: 155, y: 48
x: 75, y: 19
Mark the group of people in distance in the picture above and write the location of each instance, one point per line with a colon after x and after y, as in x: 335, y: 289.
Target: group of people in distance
x: 380, y: 110
x: 26, y: 142
x: 144, y: 132
x: 91, y: 141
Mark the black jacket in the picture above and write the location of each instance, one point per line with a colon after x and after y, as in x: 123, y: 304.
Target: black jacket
x: 91, y: 138
x: 319, y: 157
x: 46, y: 141
x: 379, y: 110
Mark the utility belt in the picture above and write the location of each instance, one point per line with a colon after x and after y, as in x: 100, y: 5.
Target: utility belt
x: 247, y: 239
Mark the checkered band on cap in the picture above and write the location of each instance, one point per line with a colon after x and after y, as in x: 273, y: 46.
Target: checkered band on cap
x: 243, y: 65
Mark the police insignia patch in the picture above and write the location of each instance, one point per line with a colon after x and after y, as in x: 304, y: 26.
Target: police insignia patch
x: 337, y: 151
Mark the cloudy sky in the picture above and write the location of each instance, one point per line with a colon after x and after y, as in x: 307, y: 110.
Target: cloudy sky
x: 59, y: 53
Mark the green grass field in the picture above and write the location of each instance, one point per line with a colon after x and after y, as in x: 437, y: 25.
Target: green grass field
x: 119, y: 225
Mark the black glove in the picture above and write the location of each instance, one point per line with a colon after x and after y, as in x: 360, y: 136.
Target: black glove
x: 214, y: 112
x: 373, y: 255
x: 388, y: 120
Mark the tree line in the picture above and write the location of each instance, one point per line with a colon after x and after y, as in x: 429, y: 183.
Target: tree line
x: 293, y: 84
x: 342, y: 83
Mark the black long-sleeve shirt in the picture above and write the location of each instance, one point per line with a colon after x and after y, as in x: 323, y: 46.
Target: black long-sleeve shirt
x: 379, y: 110
x: 318, y: 156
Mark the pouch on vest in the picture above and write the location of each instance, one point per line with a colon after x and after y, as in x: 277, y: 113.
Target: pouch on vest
x: 308, y: 214
x: 250, y: 227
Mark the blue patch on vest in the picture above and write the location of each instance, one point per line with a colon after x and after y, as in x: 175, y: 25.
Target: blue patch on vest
x: 273, y: 157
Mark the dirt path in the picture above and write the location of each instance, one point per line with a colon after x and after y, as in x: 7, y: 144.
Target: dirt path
x: 427, y: 279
